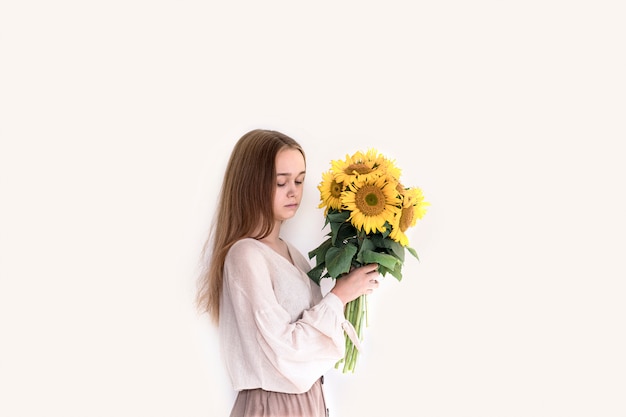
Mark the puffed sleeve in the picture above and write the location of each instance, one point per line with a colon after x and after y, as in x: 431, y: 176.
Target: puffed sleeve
x: 300, y: 350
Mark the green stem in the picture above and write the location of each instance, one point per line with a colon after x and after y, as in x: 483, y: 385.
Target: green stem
x: 356, y: 313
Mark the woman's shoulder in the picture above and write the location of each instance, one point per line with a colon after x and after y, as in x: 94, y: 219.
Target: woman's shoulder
x: 246, y: 242
x: 244, y: 246
x: 245, y: 254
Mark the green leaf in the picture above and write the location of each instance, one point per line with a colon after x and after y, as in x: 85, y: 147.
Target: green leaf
x: 377, y: 239
x: 366, y: 245
x: 338, y: 260
x: 382, y: 270
x: 412, y: 252
x: 338, y: 221
x: 338, y: 216
x: 316, y: 273
x: 388, y: 261
x: 396, y: 248
x: 319, y: 253
x: 345, y: 231
x: 397, y: 273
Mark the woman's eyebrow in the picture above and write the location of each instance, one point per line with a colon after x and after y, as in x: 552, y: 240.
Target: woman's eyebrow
x: 287, y: 174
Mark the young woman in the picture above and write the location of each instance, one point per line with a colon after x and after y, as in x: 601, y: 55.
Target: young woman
x: 278, y: 333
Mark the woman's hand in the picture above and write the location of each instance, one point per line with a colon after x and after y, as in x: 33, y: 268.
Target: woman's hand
x: 359, y: 281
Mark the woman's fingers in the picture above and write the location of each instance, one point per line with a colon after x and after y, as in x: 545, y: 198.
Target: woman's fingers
x: 372, y: 283
x: 359, y: 281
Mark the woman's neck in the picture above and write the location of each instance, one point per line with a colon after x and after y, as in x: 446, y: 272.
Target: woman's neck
x: 274, y: 241
x: 274, y: 236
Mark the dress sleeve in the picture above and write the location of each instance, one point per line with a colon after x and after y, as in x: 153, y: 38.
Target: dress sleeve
x: 301, y: 350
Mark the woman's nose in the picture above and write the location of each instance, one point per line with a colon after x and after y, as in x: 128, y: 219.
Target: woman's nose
x: 291, y: 190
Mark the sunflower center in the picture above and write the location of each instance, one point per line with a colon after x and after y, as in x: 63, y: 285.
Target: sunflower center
x: 370, y: 200
x: 406, y: 218
x: 335, y: 189
x: 360, y: 169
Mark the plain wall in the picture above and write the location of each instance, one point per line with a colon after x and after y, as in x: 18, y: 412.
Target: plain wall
x: 118, y: 118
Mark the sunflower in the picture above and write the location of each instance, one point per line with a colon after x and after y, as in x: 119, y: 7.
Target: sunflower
x: 414, y: 197
x: 359, y: 166
x: 384, y: 164
x: 330, y: 192
x: 413, y: 209
x: 372, y: 204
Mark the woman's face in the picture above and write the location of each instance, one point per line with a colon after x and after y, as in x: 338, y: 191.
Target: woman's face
x: 290, y: 173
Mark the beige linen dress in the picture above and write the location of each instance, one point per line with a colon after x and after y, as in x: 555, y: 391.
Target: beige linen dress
x: 278, y: 333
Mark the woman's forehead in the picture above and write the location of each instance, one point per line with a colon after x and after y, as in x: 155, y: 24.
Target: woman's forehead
x: 290, y: 162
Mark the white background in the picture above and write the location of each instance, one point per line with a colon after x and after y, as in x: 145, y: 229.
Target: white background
x: 116, y: 119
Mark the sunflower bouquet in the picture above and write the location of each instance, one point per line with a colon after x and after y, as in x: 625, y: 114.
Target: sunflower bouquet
x: 368, y: 210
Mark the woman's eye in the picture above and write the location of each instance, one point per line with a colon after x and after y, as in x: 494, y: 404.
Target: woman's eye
x: 282, y: 184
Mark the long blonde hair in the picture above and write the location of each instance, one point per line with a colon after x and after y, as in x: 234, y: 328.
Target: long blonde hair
x: 244, y: 209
